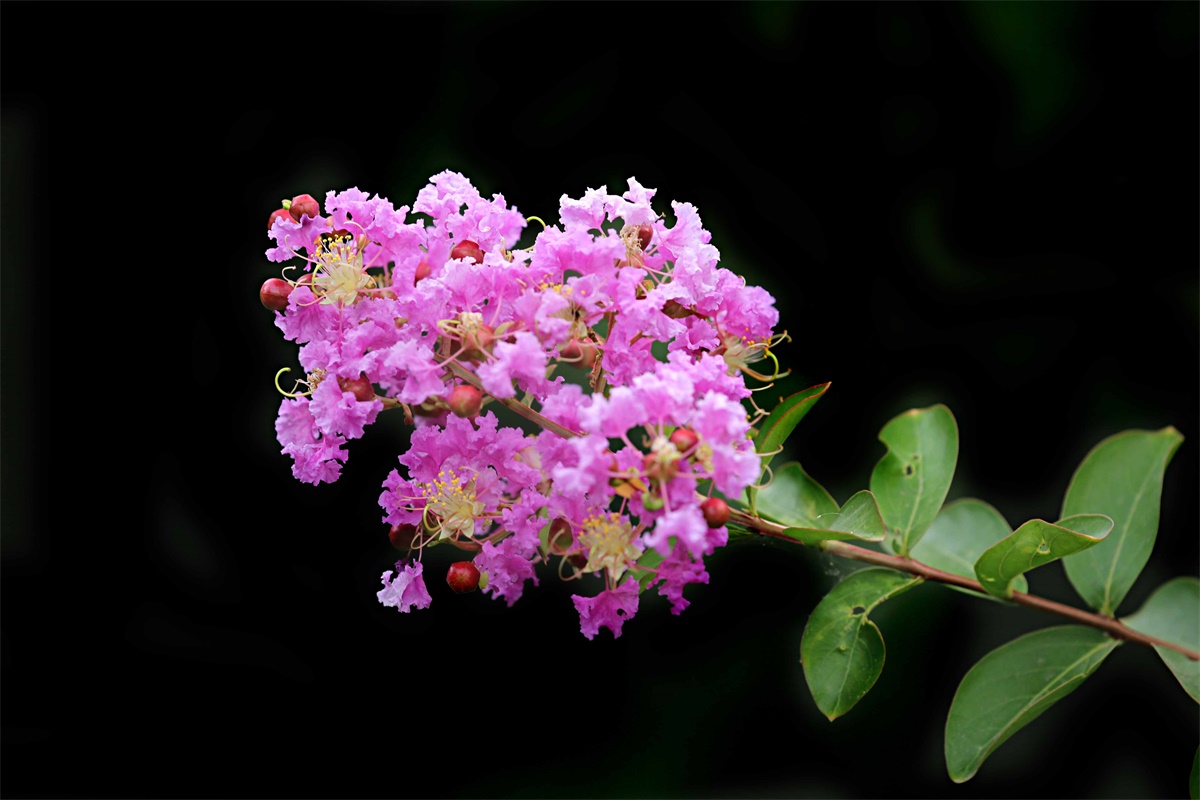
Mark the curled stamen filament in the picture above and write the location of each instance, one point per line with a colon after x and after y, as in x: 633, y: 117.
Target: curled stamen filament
x: 292, y: 394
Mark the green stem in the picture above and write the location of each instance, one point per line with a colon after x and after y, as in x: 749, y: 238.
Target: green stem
x: 1111, y: 626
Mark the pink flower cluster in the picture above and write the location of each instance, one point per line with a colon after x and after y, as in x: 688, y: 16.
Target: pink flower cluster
x: 615, y: 340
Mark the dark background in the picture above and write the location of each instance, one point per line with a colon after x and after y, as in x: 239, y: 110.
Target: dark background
x: 992, y: 206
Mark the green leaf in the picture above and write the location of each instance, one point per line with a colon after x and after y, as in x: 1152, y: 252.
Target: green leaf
x: 858, y: 520
x: 912, y: 479
x: 1172, y: 614
x: 644, y: 572
x: 1036, y: 543
x: 1012, y: 685
x: 793, y: 498
x: 778, y: 425
x: 842, y: 650
x: 957, y: 538
x: 1121, y: 477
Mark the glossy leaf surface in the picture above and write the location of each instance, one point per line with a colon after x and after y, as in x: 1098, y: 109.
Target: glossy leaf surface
x: 1034, y: 544
x: 1172, y: 613
x: 1012, y: 685
x: 1122, y: 478
x: 959, y: 535
x: 858, y: 520
x: 911, y: 481
x: 842, y: 650
x: 795, y: 499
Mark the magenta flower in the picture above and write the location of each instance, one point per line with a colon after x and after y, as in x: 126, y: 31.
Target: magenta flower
x: 393, y: 314
x: 609, y: 609
x: 407, y: 590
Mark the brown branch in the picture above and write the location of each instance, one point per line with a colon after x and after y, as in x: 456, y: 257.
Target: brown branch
x: 1112, y: 627
x: 520, y: 408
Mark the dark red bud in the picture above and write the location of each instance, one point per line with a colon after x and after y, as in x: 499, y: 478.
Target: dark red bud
x: 277, y: 214
x: 465, y: 401
x: 402, y: 536
x: 423, y: 270
x: 304, y: 204
x: 360, y: 386
x: 716, y: 512
x: 645, y: 231
x: 274, y: 294
x: 684, y: 439
x: 463, y: 577
x: 467, y: 249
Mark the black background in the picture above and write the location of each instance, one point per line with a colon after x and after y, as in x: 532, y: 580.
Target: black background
x: 992, y: 206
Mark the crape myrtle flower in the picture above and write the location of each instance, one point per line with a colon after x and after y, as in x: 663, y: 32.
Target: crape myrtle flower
x: 616, y: 337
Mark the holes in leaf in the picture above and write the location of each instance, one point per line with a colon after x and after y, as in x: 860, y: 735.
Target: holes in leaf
x: 908, y: 469
x: 857, y: 610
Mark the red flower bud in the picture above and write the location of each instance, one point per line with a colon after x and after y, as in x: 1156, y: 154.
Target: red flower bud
x: 304, y: 204
x: 274, y: 294
x: 463, y: 577
x: 465, y: 401
x: 716, y: 512
x: 467, y: 249
x: 402, y: 536
x: 276, y: 214
x: 423, y: 270
x: 645, y: 231
x: 684, y: 439
x: 362, y: 388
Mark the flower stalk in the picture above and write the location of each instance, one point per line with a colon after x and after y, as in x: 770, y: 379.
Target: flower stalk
x: 1112, y: 627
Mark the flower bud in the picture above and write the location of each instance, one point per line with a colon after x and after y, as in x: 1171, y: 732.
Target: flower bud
x: 652, y: 502
x: 676, y: 310
x: 716, y: 512
x: 645, y: 231
x: 477, y: 342
x: 465, y: 401
x: 581, y: 354
x: 402, y: 536
x: 304, y: 205
x: 279, y: 213
x: 684, y: 439
x: 467, y: 249
x: 559, y: 538
x: 463, y: 577
x: 274, y: 294
x: 360, y: 386
x: 423, y: 270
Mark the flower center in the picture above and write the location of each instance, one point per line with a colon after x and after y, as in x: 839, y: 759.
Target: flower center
x: 609, y: 541
x: 453, y: 504
x: 339, y: 274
